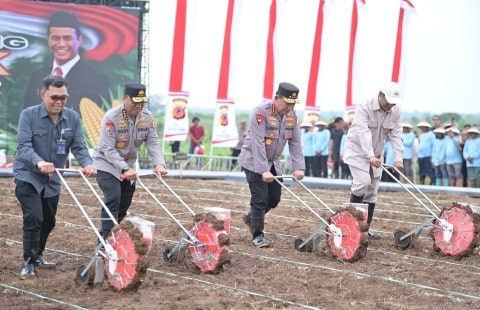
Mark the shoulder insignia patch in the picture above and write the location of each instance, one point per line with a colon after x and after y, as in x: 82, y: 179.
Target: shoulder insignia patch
x: 260, y: 118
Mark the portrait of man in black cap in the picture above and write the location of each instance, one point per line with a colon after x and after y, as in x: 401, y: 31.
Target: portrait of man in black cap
x: 64, y: 40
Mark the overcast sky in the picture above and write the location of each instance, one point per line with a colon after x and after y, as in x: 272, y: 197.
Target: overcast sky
x: 443, y: 51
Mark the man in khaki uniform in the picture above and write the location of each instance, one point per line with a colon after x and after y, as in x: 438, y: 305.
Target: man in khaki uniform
x: 375, y: 121
x: 272, y: 125
x: 124, y: 129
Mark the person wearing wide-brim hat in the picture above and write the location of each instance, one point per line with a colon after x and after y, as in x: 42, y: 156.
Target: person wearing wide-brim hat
x: 308, y: 144
x: 322, y: 147
x: 407, y: 125
x: 425, y: 148
x: 471, y: 153
x: 272, y: 125
x: 454, y: 157
x: 438, y: 157
x: 408, y: 137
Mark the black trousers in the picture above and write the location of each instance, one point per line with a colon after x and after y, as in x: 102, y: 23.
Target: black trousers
x: 322, y: 165
x: 117, y: 196
x: 38, y: 218
x: 264, y: 197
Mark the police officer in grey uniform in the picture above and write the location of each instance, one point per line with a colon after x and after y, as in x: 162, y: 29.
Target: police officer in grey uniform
x: 272, y: 125
x: 124, y: 129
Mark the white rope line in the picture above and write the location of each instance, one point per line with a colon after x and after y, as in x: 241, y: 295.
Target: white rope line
x: 54, y: 300
x: 356, y: 273
x: 216, y: 284
x: 69, y: 224
x: 298, y: 263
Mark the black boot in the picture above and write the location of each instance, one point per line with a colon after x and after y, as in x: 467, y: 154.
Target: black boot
x: 247, y: 219
x: 42, y: 263
x: 28, y: 270
x: 257, y: 218
x: 356, y: 199
x: 30, y: 254
x: 371, y: 208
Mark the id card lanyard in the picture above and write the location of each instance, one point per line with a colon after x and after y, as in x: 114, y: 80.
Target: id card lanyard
x: 61, y: 143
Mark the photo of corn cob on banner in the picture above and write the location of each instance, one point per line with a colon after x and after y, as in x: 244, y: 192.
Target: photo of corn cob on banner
x: 92, y: 116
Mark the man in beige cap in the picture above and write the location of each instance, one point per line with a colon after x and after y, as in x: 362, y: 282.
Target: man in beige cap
x: 375, y: 120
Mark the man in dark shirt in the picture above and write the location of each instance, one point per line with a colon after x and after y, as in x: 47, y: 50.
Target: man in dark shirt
x: 336, y: 134
x: 46, y: 133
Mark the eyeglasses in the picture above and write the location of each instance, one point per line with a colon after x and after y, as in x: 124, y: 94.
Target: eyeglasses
x: 57, y: 97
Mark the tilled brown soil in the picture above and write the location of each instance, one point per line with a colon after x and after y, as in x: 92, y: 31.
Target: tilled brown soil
x: 277, y: 277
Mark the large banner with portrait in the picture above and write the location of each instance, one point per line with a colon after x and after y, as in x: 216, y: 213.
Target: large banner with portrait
x: 94, y: 47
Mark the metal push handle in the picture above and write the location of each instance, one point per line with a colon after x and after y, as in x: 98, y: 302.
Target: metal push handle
x: 277, y: 178
x: 409, y: 191
x: 82, y: 209
x: 191, y: 236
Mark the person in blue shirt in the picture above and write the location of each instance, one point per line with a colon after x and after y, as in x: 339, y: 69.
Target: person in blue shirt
x: 408, y: 138
x: 425, y: 147
x: 47, y: 132
x: 439, y: 157
x: 389, y: 156
x: 322, y: 142
x: 308, y: 145
x: 454, y: 157
x: 471, y: 153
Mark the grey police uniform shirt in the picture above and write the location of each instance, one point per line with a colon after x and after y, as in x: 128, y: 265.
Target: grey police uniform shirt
x: 368, y: 133
x: 37, y: 140
x: 120, y: 138
x: 267, y: 135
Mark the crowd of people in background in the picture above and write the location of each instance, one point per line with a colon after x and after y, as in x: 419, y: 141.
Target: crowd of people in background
x: 434, y: 154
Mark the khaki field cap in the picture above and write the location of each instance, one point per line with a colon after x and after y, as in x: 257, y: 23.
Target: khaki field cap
x: 439, y: 130
x: 392, y: 93
x: 136, y: 91
x: 289, y: 92
x: 320, y: 123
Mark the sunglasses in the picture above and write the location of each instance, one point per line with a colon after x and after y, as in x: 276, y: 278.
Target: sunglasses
x: 57, y: 97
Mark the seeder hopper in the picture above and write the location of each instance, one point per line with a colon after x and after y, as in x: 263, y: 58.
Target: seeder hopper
x: 346, y: 229
x: 207, y: 242
x: 455, y: 230
x: 121, y: 257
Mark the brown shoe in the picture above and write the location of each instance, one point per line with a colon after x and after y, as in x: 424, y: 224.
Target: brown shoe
x: 248, y: 221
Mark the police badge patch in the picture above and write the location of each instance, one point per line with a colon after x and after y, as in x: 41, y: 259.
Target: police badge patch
x: 110, y: 129
x: 260, y: 118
